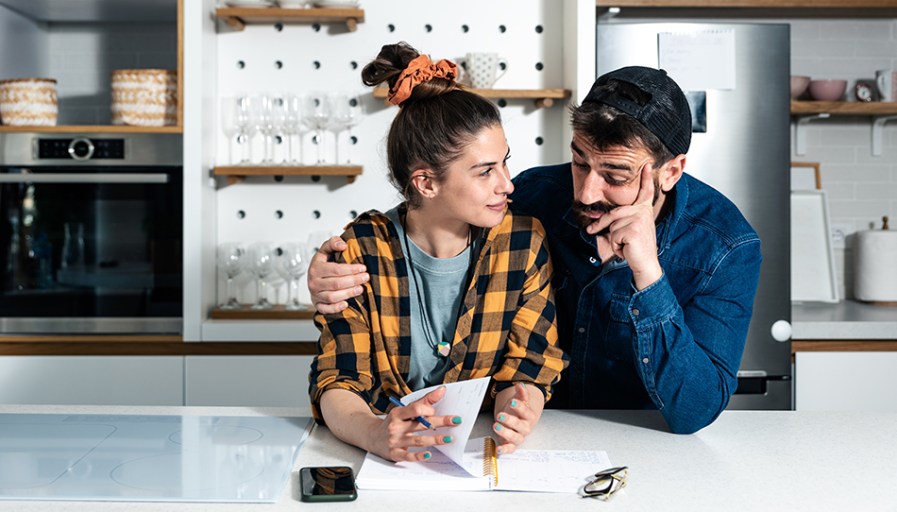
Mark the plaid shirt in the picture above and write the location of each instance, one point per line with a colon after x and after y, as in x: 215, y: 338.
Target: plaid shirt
x: 506, y: 327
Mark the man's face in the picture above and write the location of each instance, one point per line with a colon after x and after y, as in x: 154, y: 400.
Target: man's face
x: 604, y: 180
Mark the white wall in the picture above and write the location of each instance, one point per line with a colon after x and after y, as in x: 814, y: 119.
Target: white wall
x: 17, y: 31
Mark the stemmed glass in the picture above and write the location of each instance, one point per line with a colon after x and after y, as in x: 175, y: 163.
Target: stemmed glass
x: 247, y: 126
x: 345, y: 113
x: 291, y: 262
x: 316, y: 115
x: 231, y: 261
x: 229, y: 126
x: 261, y: 264
x: 292, y: 125
x: 267, y: 125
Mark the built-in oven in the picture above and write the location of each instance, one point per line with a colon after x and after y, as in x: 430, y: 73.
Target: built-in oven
x: 91, y: 233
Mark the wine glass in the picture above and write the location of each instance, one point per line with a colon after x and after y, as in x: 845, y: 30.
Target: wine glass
x: 247, y: 126
x: 231, y: 261
x: 345, y: 113
x: 315, y: 115
x: 291, y: 263
x: 260, y: 265
x: 267, y: 125
x: 229, y: 107
x: 292, y: 124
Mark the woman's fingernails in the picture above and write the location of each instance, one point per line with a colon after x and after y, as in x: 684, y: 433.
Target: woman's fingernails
x: 497, y: 427
x: 501, y: 417
x: 513, y: 403
x: 427, y: 455
x: 447, y: 439
x: 456, y: 420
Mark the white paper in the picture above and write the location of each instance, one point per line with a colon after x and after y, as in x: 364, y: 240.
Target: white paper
x: 462, y: 399
x: 699, y: 61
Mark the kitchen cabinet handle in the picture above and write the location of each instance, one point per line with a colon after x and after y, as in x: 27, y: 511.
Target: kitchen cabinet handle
x: 136, y: 178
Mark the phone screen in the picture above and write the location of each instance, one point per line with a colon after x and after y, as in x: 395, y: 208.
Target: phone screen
x: 331, y: 483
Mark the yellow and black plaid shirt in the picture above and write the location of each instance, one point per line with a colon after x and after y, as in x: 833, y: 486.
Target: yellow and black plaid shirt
x: 506, y: 326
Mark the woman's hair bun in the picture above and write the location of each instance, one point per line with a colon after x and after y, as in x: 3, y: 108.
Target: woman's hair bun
x: 388, y: 66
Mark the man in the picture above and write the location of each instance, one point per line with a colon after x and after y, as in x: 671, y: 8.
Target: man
x: 655, y: 271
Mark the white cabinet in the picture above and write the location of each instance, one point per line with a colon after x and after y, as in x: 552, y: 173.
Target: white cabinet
x: 845, y: 381
x: 269, y: 381
x: 92, y: 380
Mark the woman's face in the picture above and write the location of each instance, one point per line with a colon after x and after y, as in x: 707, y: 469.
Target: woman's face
x: 475, y: 187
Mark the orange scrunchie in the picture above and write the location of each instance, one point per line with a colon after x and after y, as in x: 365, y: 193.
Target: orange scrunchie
x: 419, y: 70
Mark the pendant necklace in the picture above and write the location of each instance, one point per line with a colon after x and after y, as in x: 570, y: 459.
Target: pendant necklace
x: 441, y: 348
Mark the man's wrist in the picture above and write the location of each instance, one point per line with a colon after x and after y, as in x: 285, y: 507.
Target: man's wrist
x: 646, y: 278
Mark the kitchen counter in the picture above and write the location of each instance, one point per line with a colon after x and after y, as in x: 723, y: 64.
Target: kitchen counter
x: 844, y: 320
x: 746, y: 460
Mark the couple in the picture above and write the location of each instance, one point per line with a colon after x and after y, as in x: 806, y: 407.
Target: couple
x: 653, y: 272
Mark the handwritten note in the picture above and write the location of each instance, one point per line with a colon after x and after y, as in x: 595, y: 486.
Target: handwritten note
x: 699, y: 61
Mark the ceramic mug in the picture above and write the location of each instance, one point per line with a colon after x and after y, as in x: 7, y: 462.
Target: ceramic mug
x: 886, y: 80
x: 484, y: 69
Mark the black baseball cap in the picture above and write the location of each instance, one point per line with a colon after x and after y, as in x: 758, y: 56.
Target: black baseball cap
x: 666, y: 114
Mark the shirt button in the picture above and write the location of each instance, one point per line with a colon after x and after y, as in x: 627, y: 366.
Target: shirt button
x: 635, y: 312
x: 581, y: 330
x: 645, y: 360
x: 592, y: 260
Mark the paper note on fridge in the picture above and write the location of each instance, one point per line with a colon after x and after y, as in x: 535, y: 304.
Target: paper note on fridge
x: 698, y: 61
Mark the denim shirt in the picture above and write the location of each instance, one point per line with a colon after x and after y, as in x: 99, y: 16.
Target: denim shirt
x: 676, y: 345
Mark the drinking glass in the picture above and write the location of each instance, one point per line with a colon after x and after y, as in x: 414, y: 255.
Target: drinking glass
x: 291, y: 263
x: 261, y: 265
x: 315, y: 115
x: 229, y: 107
x: 267, y: 126
x: 292, y: 124
x: 346, y: 112
x: 231, y: 261
x: 247, y: 126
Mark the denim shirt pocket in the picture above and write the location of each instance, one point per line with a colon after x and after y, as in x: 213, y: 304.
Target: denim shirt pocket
x: 619, y: 332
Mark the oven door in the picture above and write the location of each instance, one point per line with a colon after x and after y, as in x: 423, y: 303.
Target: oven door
x: 91, y: 249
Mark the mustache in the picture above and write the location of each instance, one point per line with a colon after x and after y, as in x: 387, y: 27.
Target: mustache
x: 599, y: 207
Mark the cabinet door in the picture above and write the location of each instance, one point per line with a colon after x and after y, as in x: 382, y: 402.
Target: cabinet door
x: 269, y: 381
x: 845, y: 381
x: 92, y: 380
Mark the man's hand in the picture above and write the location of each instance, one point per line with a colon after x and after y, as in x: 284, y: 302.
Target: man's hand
x: 332, y: 284
x: 629, y: 232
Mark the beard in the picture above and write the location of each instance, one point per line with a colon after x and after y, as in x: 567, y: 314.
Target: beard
x: 581, y: 210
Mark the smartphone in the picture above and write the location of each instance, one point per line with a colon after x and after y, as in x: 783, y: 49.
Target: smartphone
x: 330, y: 483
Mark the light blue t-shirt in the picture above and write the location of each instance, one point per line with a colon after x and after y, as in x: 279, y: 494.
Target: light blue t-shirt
x: 441, y: 280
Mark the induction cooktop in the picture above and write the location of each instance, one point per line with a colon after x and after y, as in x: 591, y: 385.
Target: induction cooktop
x: 148, y: 458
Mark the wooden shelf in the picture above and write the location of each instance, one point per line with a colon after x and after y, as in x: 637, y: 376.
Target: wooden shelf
x: 91, y: 129
x: 543, y: 97
x: 238, y: 17
x: 844, y: 108
x: 237, y: 173
x: 278, y: 312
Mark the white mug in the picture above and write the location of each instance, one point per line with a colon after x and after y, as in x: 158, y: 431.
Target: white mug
x: 484, y: 69
x: 886, y: 80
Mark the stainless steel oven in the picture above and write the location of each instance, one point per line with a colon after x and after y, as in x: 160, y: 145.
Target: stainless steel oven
x: 91, y: 233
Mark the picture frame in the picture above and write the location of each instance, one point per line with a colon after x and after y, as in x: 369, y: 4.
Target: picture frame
x: 813, y: 277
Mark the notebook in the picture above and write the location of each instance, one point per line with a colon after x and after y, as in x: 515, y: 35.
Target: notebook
x: 472, y: 464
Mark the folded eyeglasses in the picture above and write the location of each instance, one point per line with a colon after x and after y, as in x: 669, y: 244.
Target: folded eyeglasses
x: 605, y: 483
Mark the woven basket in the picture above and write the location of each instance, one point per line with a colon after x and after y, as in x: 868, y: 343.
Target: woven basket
x: 28, y: 102
x: 144, y: 97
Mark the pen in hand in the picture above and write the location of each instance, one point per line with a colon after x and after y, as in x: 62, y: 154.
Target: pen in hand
x: 419, y: 419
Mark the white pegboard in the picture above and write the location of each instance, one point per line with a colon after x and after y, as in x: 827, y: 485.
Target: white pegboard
x: 304, y: 58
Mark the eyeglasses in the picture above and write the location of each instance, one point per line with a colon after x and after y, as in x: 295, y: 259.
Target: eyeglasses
x: 606, y: 483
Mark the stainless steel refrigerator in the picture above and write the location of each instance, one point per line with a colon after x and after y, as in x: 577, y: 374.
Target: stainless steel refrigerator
x: 740, y: 146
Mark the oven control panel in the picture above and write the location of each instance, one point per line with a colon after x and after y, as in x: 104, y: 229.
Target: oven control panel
x: 81, y: 148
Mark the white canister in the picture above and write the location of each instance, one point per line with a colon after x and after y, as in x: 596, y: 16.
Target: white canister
x: 28, y: 102
x: 876, y: 266
x: 144, y: 97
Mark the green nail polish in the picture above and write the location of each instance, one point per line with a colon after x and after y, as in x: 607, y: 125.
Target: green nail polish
x: 498, y: 427
x: 501, y: 417
x: 447, y: 439
x: 456, y: 420
x: 427, y: 455
x: 513, y: 403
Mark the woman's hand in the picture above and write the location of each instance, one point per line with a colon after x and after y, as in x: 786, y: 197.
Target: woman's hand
x: 399, y: 431
x: 517, y: 411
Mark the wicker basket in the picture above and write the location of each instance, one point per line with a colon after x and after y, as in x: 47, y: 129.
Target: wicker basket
x: 144, y: 97
x: 28, y: 102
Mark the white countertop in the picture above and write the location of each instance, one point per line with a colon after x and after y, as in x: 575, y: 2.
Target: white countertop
x: 844, y: 320
x: 746, y: 460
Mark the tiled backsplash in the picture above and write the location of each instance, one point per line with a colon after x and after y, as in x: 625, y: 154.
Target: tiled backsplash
x: 83, y: 55
x: 861, y: 188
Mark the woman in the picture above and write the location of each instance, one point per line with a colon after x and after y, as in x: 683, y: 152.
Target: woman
x: 459, y: 288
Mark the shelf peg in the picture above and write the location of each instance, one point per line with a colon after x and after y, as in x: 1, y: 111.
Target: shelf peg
x: 609, y: 13
x: 800, y: 142
x: 878, y: 126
